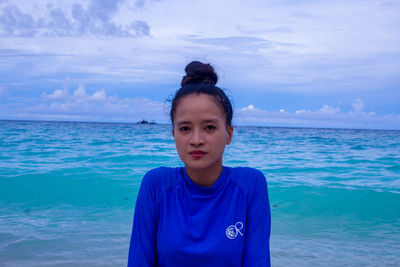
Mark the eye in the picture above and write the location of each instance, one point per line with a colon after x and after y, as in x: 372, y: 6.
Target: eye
x: 184, y: 129
x: 210, y: 128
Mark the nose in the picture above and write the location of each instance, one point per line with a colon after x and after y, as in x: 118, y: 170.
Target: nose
x: 197, y: 138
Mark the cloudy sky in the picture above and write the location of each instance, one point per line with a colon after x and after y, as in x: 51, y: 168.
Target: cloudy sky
x: 311, y: 63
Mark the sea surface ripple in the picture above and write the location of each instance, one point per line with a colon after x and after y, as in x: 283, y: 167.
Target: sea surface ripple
x: 68, y: 190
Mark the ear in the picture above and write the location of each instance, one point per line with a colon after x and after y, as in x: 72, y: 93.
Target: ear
x: 173, y: 131
x: 229, y: 131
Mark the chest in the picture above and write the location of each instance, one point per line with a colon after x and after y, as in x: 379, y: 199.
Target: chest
x: 200, y: 229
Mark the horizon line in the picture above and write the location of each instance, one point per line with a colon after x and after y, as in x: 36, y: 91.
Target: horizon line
x: 157, y: 123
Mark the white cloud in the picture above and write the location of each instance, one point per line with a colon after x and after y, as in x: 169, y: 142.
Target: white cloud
x: 79, y: 95
x: 98, y: 106
x: 322, y: 48
x: 80, y: 92
x: 302, y: 111
x: 249, y: 107
x: 57, y: 95
x: 358, y: 105
x: 99, y: 95
x: 326, y: 116
x: 304, y: 46
x: 329, y: 110
x: 95, y: 18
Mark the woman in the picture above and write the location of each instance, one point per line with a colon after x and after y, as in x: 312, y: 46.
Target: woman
x: 203, y: 214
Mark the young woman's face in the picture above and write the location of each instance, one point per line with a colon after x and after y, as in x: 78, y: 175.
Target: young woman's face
x: 200, y: 132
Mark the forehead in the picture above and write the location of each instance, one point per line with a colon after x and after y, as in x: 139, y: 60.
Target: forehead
x: 199, y: 106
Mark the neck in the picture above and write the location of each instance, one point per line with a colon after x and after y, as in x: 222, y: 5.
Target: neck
x: 206, y: 177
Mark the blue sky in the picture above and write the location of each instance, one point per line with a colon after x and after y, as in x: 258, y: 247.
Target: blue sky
x: 284, y: 63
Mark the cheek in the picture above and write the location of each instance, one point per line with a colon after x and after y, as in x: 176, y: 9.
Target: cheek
x: 221, y: 141
x: 179, y: 143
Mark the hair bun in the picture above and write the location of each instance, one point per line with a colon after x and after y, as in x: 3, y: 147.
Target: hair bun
x: 197, y: 72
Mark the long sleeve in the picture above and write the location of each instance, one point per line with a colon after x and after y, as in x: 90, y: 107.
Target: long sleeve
x: 258, y: 230
x: 142, y: 250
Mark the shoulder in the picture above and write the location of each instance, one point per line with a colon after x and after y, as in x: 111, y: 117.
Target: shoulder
x: 161, y: 177
x: 160, y: 171
x: 253, y: 183
x: 246, y: 174
x: 246, y: 171
x: 247, y: 178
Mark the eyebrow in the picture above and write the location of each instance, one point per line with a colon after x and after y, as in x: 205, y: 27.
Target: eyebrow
x: 212, y: 121
x: 204, y: 121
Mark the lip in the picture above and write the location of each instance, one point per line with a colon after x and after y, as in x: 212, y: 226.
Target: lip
x: 197, y: 154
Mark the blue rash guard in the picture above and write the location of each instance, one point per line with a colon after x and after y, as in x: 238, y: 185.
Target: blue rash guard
x: 179, y: 223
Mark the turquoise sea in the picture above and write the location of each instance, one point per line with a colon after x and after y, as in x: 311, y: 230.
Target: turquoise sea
x: 68, y: 189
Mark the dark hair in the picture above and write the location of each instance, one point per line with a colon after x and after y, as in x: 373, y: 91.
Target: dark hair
x: 201, y: 78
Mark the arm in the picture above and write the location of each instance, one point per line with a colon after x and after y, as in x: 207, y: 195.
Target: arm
x: 258, y: 225
x: 142, y: 249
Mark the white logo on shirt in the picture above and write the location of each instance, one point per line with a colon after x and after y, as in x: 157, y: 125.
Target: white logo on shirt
x: 233, y: 230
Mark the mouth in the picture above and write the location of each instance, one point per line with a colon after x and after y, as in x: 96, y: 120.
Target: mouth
x: 197, y: 154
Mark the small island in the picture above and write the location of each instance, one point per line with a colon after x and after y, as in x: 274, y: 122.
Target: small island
x: 145, y: 122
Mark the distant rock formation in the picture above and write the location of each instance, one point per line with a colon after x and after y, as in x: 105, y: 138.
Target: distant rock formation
x: 145, y: 122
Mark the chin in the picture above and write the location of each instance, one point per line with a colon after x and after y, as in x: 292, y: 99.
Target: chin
x: 196, y: 167
x: 199, y: 166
